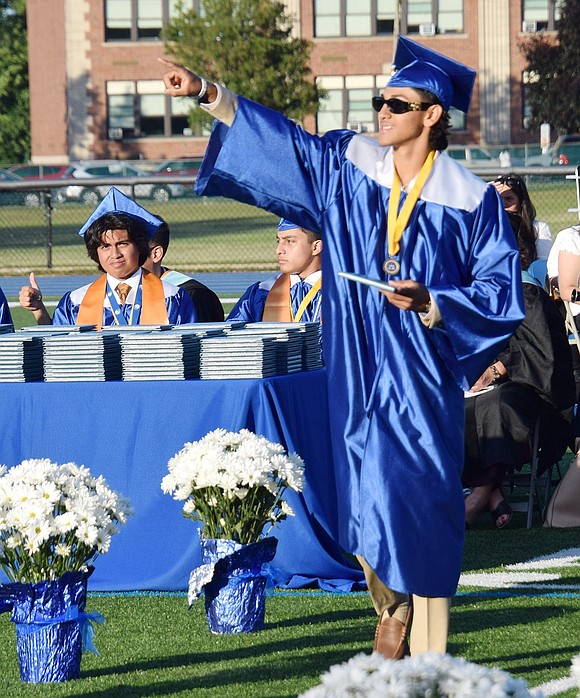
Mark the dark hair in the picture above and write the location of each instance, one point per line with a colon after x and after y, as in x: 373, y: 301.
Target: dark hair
x: 518, y: 186
x: 439, y: 135
x: 136, y: 233
x: 161, y: 237
x: 527, y: 209
x: 312, y: 235
x: 526, y: 243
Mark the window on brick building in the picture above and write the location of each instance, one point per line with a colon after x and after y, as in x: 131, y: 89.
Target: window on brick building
x: 540, y: 14
x: 138, y: 109
x: 358, y: 18
x: 449, y: 17
x: 528, y: 76
x: 140, y: 20
x: 379, y: 17
x: 327, y: 18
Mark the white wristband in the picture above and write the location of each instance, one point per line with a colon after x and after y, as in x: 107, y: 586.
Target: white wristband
x: 203, y: 90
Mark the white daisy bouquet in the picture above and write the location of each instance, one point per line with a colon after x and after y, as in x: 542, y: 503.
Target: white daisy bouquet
x: 54, y: 519
x: 233, y: 484
x: 431, y: 674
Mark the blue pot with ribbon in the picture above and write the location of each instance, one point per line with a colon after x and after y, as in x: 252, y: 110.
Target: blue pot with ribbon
x: 235, y: 579
x: 52, y: 628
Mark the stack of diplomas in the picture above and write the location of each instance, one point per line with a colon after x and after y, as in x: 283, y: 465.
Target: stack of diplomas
x: 213, y: 350
x: 20, y: 357
x: 159, y: 355
x: 81, y: 356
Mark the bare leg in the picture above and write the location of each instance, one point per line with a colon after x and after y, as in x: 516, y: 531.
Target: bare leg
x: 477, y: 502
x: 495, y: 500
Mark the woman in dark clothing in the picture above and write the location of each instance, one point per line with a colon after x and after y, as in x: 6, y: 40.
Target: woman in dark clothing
x: 532, y: 377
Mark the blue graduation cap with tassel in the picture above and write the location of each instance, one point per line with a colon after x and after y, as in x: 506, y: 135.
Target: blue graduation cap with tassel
x: 422, y: 68
x: 117, y: 202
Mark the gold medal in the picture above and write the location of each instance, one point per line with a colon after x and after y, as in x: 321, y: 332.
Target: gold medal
x: 391, y: 266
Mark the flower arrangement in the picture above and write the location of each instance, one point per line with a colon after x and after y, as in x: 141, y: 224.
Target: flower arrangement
x: 430, y: 674
x: 54, y: 519
x: 233, y: 483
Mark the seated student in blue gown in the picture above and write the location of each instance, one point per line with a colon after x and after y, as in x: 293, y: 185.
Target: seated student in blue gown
x: 5, y: 316
x: 117, y: 238
x: 207, y: 304
x: 293, y: 295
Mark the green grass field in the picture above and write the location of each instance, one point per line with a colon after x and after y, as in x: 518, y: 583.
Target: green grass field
x: 207, y: 234
x: 153, y: 645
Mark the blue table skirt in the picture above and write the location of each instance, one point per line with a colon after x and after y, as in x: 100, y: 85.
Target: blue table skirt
x: 158, y: 547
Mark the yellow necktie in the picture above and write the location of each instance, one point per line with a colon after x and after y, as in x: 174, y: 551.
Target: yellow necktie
x: 123, y: 291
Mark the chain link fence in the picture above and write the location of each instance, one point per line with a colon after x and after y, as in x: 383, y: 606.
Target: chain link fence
x: 38, y: 225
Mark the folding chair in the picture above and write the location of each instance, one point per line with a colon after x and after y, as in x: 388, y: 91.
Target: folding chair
x: 571, y: 329
x: 533, y: 482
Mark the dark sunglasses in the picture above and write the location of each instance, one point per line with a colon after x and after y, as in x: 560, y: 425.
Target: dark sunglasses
x: 508, y: 179
x: 513, y: 183
x: 398, y: 106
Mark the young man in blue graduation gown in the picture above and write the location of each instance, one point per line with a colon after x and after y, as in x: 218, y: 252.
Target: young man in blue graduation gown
x: 293, y: 295
x: 398, y: 362
x: 116, y: 236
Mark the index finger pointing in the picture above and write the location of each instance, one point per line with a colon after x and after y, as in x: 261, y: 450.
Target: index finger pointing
x: 168, y: 63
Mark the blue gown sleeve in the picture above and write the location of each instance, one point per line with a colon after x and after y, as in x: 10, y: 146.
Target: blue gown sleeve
x: 65, y: 312
x: 250, y: 306
x: 180, y: 309
x: 293, y: 171
x: 5, y: 315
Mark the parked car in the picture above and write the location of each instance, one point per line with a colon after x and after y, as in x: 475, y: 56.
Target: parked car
x: 11, y: 198
x: 181, y: 166
x: 564, y: 151
x: 473, y: 156
x: 37, y: 172
x: 91, y: 194
x: 40, y: 171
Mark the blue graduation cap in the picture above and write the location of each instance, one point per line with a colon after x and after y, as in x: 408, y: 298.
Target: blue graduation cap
x: 117, y: 202
x: 285, y: 224
x: 420, y: 67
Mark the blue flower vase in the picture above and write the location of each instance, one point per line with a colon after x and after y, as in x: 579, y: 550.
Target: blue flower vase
x: 49, y: 627
x: 235, y: 598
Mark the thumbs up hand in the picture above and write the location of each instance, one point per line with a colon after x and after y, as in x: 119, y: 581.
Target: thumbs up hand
x: 30, y: 297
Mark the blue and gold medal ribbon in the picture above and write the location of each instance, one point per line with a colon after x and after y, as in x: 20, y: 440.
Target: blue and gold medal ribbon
x: 397, y: 222
x: 306, y: 300
x: 118, y: 314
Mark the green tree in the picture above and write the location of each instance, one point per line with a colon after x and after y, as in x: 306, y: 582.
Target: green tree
x: 247, y: 46
x: 14, y: 98
x: 554, y: 67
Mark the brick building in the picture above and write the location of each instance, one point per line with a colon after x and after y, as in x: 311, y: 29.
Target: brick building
x: 96, y: 89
